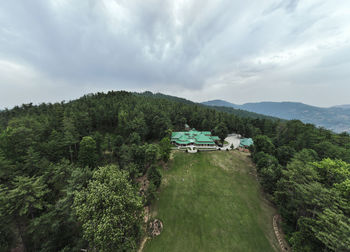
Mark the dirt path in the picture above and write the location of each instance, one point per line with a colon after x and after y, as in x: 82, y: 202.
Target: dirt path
x: 146, y: 217
x: 143, y: 244
x: 279, y: 234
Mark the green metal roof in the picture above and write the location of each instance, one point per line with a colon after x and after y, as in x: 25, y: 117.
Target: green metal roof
x: 203, y: 138
x: 209, y: 142
x: 193, y: 136
x: 183, y: 138
x: 215, y: 138
x: 182, y: 142
x: 246, y: 142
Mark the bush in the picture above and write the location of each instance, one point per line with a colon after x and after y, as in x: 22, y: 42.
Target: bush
x: 7, y: 238
x: 154, y: 176
x: 150, y: 193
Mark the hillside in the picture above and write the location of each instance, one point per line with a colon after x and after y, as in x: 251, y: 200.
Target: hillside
x: 345, y: 106
x: 334, y: 118
x: 58, y: 161
x: 222, y: 107
x: 62, y: 152
x: 220, y: 103
x: 212, y: 202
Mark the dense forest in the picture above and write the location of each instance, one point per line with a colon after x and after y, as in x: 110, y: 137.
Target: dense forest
x: 69, y: 171
x: 235, y: 111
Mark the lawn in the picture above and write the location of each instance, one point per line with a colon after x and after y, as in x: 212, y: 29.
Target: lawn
x: 211, y: 201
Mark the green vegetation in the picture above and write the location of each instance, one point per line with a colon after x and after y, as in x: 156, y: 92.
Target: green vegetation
x: 211, y: 201
x: 334, y: 118
x: 221, y: 131
x: 49, y: 152
x: 312, y: 193
x: 108, y: 196
x: 87, y: 152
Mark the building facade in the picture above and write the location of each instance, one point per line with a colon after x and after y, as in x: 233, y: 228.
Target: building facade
x: 194, y: 138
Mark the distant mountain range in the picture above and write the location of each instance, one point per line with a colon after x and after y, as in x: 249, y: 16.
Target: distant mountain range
x: 335, y: 118
x: 347, y: 106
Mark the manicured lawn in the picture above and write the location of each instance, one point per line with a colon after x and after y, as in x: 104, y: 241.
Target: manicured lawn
x: 212, y: 202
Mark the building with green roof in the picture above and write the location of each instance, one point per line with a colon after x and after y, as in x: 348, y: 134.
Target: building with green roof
x: 246, y: 142
x: 194, y: 137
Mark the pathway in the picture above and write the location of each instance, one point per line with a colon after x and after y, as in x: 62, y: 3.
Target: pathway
x: 279, y: 234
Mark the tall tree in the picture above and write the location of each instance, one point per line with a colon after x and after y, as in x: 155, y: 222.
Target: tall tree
x: 109, y: 210
x: 264, y: 143
x: 165, y: 148
x: 87, y: 152
x: 284, y: 154
x: 70, y: 136
x: 221, y: 131
x: 151, y: 154
x: 21, y: 202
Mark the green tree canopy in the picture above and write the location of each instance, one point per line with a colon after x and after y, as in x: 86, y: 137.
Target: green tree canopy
x: 109, y: 210
x: 264, y: 143
x: 284, y: 154
x: 221, y: 131
x: 87, y: 152
x: 151, y: 154
x: 165, y: 148
x: 21, y: 202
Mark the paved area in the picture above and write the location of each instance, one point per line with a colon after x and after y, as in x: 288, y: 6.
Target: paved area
x: 232, y: 139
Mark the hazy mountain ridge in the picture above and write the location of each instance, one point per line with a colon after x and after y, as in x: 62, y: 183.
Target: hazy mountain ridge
x: 228, y: 109
x: 345, y: 106
x: 336, y: 118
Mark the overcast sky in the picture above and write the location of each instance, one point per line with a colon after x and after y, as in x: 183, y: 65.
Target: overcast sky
x: 239, y: 51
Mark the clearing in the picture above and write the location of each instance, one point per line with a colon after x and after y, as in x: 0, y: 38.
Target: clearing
x: 211, y: 201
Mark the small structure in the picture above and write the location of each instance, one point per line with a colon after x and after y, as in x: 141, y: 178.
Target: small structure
x: 246, y: 142
x: 199, y: 139
x: 187, y: 127
x: 155, y: 227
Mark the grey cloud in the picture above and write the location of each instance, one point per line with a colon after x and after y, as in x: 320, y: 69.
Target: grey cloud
x: 172, y: 46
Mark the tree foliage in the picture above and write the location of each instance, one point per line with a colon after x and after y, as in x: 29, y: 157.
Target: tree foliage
x: 49, y: 151
x: 109, y: 210
x: 221, y: 131
x: 88, y: 152
x: 165, y: 148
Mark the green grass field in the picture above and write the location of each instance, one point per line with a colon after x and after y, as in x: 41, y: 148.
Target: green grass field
x: 212, y: 202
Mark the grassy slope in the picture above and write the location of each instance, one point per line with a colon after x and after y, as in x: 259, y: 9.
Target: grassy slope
x: 212, y: 202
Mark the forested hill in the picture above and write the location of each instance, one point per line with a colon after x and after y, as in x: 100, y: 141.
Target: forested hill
x: 334, y: 118
x: 223, y: 108
x: 70, y: 172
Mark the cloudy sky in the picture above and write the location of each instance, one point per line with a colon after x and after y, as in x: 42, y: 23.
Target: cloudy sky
x: 240, y: 51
